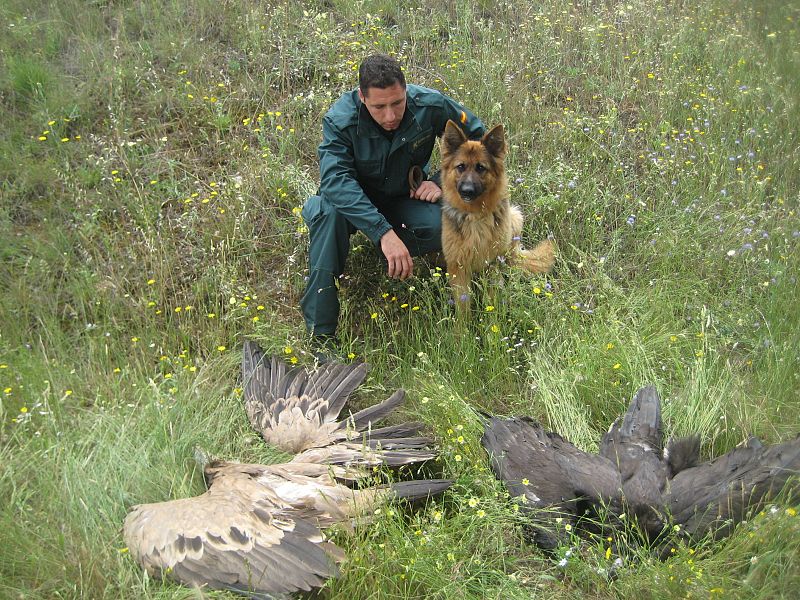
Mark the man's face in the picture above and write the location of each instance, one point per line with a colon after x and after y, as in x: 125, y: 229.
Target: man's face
x: 386, y: 105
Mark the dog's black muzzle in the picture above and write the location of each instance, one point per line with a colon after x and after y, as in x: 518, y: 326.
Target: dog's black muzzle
x: 469, y: 190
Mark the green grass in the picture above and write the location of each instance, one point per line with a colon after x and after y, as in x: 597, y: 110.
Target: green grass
x: 153, y: 159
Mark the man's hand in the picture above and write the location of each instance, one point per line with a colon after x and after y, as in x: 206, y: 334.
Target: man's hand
x: 427, y: 191
x: 400, y: 264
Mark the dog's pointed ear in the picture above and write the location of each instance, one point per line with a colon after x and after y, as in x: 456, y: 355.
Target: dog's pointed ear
x: 495, y: 141
x: 452, y: 138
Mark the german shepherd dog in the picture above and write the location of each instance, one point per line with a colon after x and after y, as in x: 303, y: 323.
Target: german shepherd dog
x: 478, y: 222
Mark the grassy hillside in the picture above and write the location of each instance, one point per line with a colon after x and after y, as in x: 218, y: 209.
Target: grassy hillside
x: 153, y: 160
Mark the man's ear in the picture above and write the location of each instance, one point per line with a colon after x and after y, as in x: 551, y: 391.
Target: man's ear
x: 452, y: 138
x: 495, y: 141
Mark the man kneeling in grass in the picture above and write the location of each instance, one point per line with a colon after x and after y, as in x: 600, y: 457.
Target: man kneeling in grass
x: 372, y: 137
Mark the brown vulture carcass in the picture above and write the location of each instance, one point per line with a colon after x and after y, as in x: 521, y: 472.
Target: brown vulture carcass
x: 259, y: 529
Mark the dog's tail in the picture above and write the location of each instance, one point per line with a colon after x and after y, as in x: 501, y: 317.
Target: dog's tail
x: 540, y: 258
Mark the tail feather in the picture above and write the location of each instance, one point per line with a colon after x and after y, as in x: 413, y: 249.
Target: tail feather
x: 403, y: 430
x: 640, y: 428
x: 373, y: 414
x: 540, y: 258
x: 420, y: 488
x: 642, y: 421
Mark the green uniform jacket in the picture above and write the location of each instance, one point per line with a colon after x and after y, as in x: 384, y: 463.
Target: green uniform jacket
x: 361, y: 169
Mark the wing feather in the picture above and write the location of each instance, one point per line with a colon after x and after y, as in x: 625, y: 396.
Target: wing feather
x: 230, y: 539
x: 716, y: 495
x: 517, y: 447
x: 296, y: 410
x: 372, y: 414
x: 338, y: 389
x: 554, y: 477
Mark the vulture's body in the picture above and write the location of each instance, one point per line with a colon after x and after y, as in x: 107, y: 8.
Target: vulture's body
x: 633, y: 475
x: 257, y: 529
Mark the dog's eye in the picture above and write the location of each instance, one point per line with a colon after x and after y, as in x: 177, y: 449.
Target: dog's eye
x: 461, y: 167
x: 480, y: 168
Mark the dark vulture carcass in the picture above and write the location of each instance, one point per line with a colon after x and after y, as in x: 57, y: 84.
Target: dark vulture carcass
x: 258, y: 529
x: 634, y: 475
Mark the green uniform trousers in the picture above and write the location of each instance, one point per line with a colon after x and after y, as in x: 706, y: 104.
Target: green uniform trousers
x: 417, y: 223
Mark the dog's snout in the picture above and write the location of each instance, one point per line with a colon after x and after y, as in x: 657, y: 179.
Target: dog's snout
x: 469, y: 189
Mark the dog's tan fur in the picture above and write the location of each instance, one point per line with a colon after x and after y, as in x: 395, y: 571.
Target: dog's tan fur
x: 477, y: 232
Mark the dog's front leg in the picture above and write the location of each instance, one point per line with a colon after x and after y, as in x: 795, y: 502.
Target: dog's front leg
x: 459, y: 278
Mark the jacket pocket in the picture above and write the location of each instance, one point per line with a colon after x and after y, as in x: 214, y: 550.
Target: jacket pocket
x: 421, y: 147
x: 369, y: 170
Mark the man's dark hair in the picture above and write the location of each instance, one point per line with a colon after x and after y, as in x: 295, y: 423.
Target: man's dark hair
x: 380, y: 71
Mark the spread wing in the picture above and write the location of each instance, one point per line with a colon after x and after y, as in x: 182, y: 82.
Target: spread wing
x: 548, y: 472
x: 314, y: 491
x: 231, y: 538
x: 556, y: 470
x: 316, y: 487
x: 297, y: 411
x: 292, y: 408
x: 716, y: 495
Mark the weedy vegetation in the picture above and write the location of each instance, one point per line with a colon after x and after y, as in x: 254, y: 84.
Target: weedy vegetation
x: 154, y: 157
